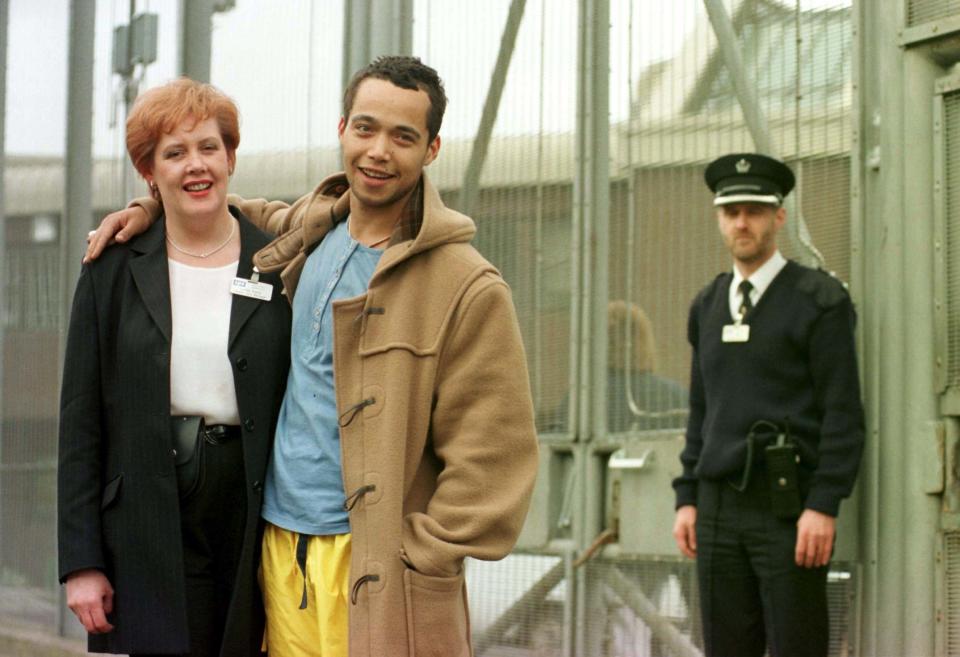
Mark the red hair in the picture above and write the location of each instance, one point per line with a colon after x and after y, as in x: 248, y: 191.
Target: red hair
x: 160, y: 110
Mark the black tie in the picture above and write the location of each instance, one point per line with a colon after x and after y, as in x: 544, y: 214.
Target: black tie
x: 746, y: 305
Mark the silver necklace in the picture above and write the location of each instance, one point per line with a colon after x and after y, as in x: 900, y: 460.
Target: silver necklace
x: 233, y: 228
x: 378, y: 242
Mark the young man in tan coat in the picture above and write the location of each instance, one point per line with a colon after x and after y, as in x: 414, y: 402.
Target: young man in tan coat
x: 408, y: 385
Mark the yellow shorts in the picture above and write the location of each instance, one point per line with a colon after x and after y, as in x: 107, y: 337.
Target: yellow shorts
x: 306, y: 616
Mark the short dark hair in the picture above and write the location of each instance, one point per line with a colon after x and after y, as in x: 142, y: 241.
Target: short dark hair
x: 406, y: 73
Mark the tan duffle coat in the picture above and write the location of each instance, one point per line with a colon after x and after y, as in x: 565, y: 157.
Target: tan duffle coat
x: 437, y: 435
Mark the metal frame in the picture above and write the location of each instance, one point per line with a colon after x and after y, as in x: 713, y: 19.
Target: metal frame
x: 949, y: 394
x: 372, y: 28
x: 754, y: 117
x: 469, y: 190
x: 916, y: 34
x: 892, y: 236
x: 919, y: 417
x: 4, y: 19
x: 591, y: 199
x: 900, y: 508
x: 77, y: 213
x: 944, y: 87
x: 196, y: 18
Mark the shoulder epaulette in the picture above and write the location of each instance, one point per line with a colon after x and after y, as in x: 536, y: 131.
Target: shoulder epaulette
x: 824, y: 286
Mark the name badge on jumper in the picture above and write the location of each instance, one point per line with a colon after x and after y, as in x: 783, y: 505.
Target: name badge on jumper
x: 252, y: 288
x: 736, y: 333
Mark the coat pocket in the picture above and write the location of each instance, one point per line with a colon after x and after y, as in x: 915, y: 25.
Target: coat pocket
x: 111, y: 492
x: 437, y: 622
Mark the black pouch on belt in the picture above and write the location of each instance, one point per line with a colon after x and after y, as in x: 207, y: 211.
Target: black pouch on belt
x: 187, y: 432
x: 784, y: 478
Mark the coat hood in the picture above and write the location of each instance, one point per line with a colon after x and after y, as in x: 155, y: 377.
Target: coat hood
x: 424, y: 224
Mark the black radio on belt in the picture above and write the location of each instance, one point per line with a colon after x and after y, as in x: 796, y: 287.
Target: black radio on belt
x: 783, y: 475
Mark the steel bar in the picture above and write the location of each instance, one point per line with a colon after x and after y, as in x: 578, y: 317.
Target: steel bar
x: 591, y: 194
x: 491, y: 106
x: 744, y: 90
x: 679, y: 644
x: 196, y: 28
x: 4, y: 258
x: 520, y: 611
x: 754, y: 117
x: 373, y: 28
x: 77, y: 214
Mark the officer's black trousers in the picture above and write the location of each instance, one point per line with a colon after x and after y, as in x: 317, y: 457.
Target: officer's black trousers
x: 752, y: 593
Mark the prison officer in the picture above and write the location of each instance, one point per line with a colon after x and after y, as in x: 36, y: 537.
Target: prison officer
x: 775, y: 431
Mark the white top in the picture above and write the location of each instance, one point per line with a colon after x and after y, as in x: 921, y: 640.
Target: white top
x: 201, y: 379
x: 760, y: 280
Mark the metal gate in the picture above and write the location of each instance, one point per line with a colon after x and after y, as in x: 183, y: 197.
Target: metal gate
x: 576, y: 136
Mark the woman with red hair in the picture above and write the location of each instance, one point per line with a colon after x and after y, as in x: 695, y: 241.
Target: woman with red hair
x: 176, y: 363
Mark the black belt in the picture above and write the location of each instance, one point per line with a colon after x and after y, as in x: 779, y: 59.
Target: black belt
x: 217, y: 434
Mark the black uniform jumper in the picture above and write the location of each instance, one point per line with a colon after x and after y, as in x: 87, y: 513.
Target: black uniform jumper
x: 798, y: 366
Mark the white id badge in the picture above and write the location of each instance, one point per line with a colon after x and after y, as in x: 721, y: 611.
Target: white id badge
x: 252, y: 289
x: 736, y: 333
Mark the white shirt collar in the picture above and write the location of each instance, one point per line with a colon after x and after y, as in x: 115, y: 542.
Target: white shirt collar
x: 760, y: 280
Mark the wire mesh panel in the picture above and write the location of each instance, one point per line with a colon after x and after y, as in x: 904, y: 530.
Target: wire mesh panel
x: 951, y: 112
x: 675, y: 109
x: 510, y: 164
x: 643, y: 609
x: 519, y: 606
x: 927, y: 11
x: 290, y: 101
x: 29, y: 339
x: 951, y: 550
x: 650, y: 608
x: 520, y: 194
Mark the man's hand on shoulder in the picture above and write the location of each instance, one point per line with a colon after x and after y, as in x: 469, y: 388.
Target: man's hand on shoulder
x: 685, y: 530
x: 118, y: 226
x: 815, y: 533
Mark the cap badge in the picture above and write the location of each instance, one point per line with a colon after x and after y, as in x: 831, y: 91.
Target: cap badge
x: 743, y: 166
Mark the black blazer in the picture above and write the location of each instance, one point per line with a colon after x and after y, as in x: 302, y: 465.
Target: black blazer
x: 118, y: 508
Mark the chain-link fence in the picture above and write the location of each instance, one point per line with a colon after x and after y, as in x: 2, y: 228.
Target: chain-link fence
x: 509, y: 157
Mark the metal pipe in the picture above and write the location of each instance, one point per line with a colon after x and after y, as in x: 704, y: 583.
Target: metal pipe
x: 356, y: 37
x: 4, y: 17
x: 196, y: 28
x: 131, y: 87
x: 4, y: 258
x: 678, y: 643
x: 879, y: 96
x: 746, y: 95
x: 569, y: 610
x: 77, y: 214
x: 391, y: 28
x: 519, y: 612
x: 920, y: 511
x: 592, y: 217
x: 372, y: 29
x: 866, y: 287
x: 592, y: 206
x: 491, y: 106
x: 536, y: 372
x: 753, y: 115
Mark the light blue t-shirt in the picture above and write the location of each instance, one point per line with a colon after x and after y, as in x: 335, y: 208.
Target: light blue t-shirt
x: 304, y: 487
